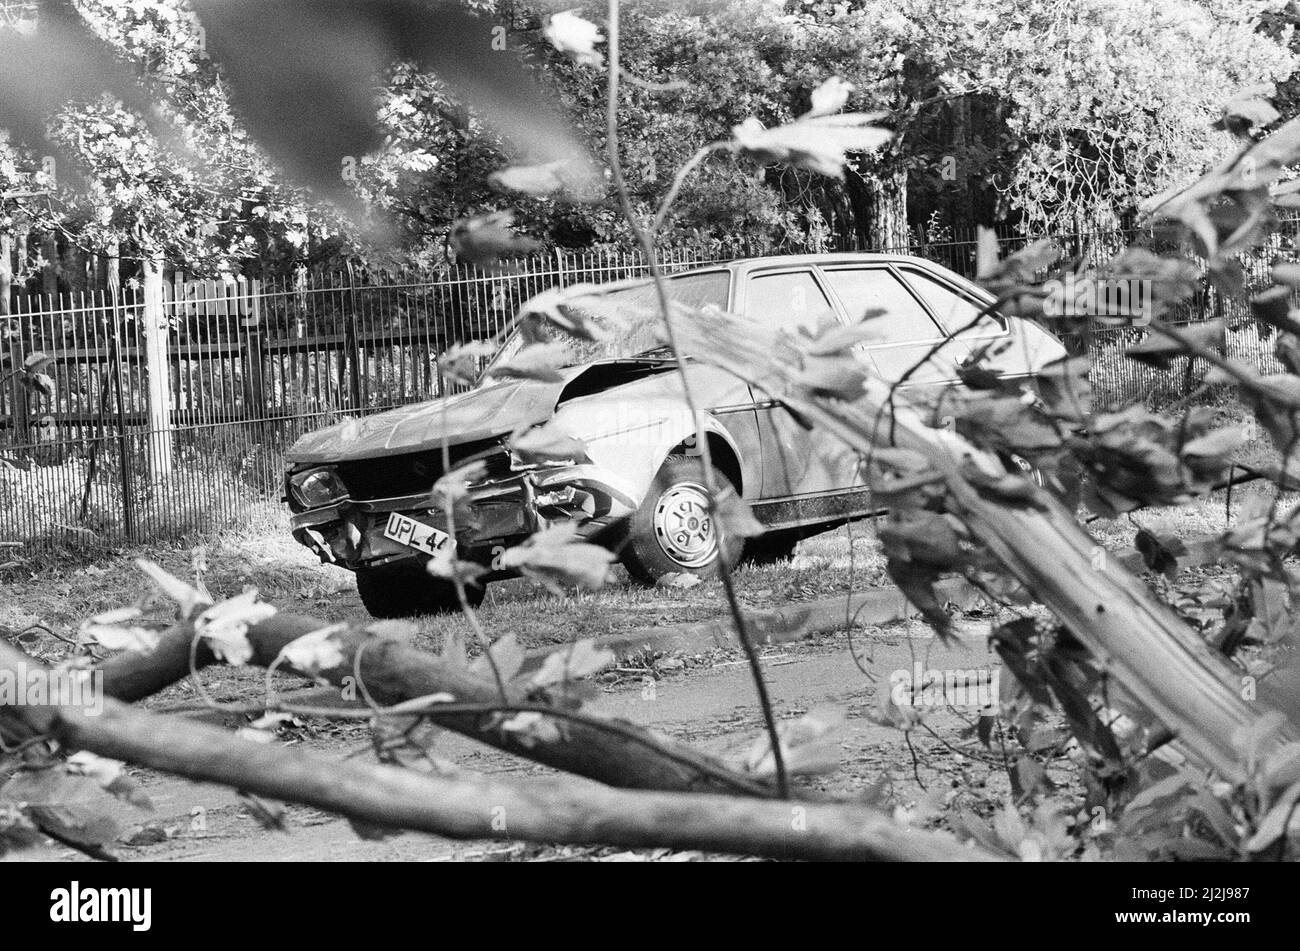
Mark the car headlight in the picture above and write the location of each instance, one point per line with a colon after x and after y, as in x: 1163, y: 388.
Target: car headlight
x: 316, y: 487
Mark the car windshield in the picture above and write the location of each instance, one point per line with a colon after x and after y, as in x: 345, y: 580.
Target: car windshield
x: 638, y: 305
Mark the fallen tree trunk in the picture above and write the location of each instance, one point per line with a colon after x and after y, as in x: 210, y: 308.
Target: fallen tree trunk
x: 538, y: 810
x: 615, y: 752
x: 1146, y: 650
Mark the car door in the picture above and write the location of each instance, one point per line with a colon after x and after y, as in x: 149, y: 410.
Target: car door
x: 911, y: 342
x: 796, y: 460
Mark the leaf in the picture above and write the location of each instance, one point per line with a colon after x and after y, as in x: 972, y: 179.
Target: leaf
x: 538, y: 361
x: 1158, y: 351
x: 40, y: 382
x: 455, y: 484
x: 1159, y: 552
x: 1214, y: 445
x: 1276, y: 822
x: 36, y: 361
x: 269, y: 815
x: 555, y: 556
x: 506, y: 653
x: 917, y: 583
x: 101, y: 769
x: 1273, y: 308
x: 547, y: 443
x: 575, y: 37
x: 581, y: 659
x: 225, y: 626
x: 831, y: 96
x: 1019, y: 267
x: 110, y: 630
x: 1248, y: 109
x: 187, y: 597
x: 393, y: 629
x: 810, y: 745
x: 1251, y: 740
x: 842, y: 376
x: 486, y: 238
x: 445, y: 566
x: 316, y: 652
x: 531, y: 728
x: 111, y: 775
x: 461, y: 361
x: 1028, y: 776
x: 735, y: 517
x: 72, y: 807
x: 453, y: 651
x: 1282, y: 766
x: 678, y: 579
x: 817, y: 143
x: 573, y: 309
x: 920, y: 537
x: 536, y: 180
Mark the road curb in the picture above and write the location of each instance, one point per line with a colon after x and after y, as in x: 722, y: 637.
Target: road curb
x: 784, y: 625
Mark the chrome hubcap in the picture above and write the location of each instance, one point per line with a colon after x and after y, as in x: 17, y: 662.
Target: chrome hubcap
x: 683, y: 526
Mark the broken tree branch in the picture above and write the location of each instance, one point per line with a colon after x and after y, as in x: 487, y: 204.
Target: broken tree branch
x: 615, y: 752
x: 538, y: 810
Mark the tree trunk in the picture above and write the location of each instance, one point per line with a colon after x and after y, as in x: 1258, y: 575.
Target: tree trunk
x: 50, y: 265
x: 17, y: 392
x: 887, y: 210
x: 74, y: 268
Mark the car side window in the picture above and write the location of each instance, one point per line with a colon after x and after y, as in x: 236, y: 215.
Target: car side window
x: 955, y: 310
x: 788, y: 301
x: 864, y: 289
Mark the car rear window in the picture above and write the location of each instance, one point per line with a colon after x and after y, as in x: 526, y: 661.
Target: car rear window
x: 863, y: 289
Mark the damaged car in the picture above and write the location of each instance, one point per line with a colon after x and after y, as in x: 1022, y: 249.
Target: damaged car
x: 361, y: 492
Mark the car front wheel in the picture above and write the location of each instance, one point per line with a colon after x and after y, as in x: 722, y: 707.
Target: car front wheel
x: 405, y: 589
x: 673, y: 530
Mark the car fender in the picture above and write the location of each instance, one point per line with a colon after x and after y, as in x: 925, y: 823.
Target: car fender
x: 630, y: 440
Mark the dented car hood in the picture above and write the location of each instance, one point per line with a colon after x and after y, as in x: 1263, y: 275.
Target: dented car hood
x: 492, y: 410
x: 496, y: 409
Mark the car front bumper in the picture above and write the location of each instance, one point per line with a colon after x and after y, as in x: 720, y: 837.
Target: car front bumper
x: 350, y: 533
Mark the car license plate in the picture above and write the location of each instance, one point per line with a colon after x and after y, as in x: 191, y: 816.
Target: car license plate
x: 425, y: 538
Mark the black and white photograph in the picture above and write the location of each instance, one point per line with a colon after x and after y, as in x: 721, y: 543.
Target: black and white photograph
x: 650, y: 431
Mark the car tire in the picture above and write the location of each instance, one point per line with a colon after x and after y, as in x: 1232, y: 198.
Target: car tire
x: 671, y: 532
x: 405, y: 589
x: 770, y: 548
